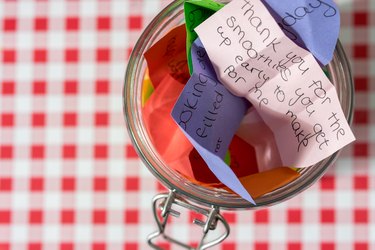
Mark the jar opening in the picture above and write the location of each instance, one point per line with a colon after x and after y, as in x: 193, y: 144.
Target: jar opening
x: 168, y: 18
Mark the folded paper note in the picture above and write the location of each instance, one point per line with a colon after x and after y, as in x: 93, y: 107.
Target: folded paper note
x: 166, y: 136
x: 203, y: 112
x: 205, y: 108
x: 313, y: 24
x: 168, y: 139
x: 267, y: 181
x: 168, y: 57
x: 147, y: 88
x: 254, y: 59
x: 196, y: 11
x: 172, y: 144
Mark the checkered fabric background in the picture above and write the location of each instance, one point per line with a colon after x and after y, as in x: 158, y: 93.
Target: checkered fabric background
x: 69, y: 176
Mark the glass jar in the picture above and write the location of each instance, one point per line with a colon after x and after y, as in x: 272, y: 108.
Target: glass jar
x: 171, y: 16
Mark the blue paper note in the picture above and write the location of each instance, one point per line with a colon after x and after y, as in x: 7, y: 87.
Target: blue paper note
x: 209, y: 115
x: 312, y: 24
x: 206, y: 110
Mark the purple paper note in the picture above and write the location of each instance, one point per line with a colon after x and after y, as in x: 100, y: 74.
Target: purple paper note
x: 313, y: 24
x: 206, y: 110
x: 200, y: 60
x: 210, y: 115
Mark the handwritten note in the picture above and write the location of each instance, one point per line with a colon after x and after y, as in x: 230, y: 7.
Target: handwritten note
x: 313, y: 24
x: 168, y: 57
x: 254, y: 59
x: 205, y: 106
x: 203, y: 110
x: 196, y: 11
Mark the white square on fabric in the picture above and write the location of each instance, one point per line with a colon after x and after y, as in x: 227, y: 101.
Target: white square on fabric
x: 27, y: 9
x: 344, y: 232
x: 56, y: 40
x: 85, y: 168
x: 310, y: 232
x: 84, y: 200
x: 344, y: 199
x: 83, y: 233
x: 55, y: 71
x: 88, y: 9
x: 52, y: 200
x: 19, y: 233
x: 24, y: 71
x: 57, y: 9
x: 120, y: 8
x: 20, y: 201
x: 51, y: 233
x: 25, y: 40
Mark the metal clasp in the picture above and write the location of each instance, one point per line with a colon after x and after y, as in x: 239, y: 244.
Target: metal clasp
x: 162, y: 209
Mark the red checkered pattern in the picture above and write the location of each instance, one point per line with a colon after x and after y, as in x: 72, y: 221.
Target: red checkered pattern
x: 69, y: 177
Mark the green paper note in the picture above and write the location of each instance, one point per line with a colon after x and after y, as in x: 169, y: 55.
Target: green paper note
x: 197, y: 11
x: 227, y: 158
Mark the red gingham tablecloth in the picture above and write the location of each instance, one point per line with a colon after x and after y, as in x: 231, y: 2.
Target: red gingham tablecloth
x: 69, y: 176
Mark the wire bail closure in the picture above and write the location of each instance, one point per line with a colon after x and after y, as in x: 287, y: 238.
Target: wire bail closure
x: 162, y: 209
